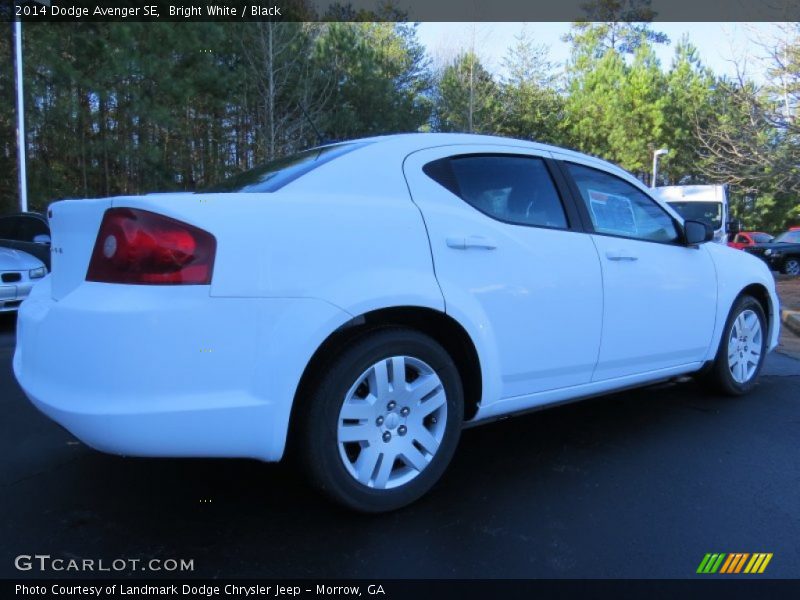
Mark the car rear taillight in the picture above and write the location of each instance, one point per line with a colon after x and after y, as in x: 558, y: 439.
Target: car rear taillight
x: 142, y: 247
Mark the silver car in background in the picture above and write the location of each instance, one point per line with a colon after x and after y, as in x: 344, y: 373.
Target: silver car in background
x: 19, y: 271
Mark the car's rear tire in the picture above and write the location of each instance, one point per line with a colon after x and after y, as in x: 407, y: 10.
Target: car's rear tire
x: 741, y: 350
x: 791, y: 266
x: 371, y: 444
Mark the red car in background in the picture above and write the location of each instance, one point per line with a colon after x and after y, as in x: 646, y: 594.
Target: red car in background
x: 748, y: 238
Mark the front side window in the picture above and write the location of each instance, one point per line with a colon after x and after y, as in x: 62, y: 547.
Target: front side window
x: 761, y: 238
x: 513, y: 189
x: 618, y: 208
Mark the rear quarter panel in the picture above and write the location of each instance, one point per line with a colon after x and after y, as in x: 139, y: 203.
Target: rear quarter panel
x: 356, y: 252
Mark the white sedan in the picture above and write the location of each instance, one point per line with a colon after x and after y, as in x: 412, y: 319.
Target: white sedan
x: 356, y: 305
x: 18, y: 272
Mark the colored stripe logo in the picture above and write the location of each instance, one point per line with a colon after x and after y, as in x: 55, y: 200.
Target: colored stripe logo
x: 737, y: 562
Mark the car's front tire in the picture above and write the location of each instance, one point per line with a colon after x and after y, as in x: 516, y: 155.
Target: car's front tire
x: 383, y: 422
x: 741, y: 350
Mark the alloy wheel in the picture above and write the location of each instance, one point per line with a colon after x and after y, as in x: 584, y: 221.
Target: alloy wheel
x: 392, y: 422
x: 744, y: 346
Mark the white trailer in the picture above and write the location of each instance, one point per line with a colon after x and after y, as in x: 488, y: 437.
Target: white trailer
x: 706, y: 203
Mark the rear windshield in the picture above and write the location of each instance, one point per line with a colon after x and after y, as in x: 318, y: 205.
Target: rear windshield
x: 275, y: 174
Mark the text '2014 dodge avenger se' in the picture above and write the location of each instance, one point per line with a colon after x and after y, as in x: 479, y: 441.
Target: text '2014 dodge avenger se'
x: 360, y: 302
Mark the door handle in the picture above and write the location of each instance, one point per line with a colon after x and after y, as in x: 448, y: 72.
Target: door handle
x: 471, y: 241
x: 620, y: 255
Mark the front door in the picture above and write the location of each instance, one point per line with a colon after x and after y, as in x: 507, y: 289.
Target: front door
x: 660, y: 296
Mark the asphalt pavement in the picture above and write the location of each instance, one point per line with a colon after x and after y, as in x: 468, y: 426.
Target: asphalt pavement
x: 637, y: 484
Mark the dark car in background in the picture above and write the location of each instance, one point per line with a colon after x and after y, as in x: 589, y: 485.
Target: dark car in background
x: 29, y: 232
x: 782, y: 254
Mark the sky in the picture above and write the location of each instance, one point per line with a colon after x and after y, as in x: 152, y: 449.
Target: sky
x: 719, y: 45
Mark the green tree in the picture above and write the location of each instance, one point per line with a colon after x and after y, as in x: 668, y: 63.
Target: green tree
x: 286, y: 95
x: 689, y: 89
x: 784, y: 77
x: 616, y: 111
x: 751, y: 139
x: 532, y: 107
x: 127, y: 108
x: 109, y: 111
x: 620, y: 26
x: 467, y: 97
x: 379, y: 78
x: 639, y: 129
x: 616, y: 91
x: 741, y: 146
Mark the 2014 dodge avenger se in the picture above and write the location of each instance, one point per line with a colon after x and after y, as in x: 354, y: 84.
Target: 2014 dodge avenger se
x: 359, y: 303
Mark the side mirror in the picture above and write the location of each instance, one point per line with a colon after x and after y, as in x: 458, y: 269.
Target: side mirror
x: 42, y: 238
x: 695, y: 232
x: 734, y: 226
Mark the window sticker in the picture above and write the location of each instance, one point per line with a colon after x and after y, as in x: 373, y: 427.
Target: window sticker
x: 612, y: 213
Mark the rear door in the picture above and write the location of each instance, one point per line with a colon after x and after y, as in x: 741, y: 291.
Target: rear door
x: 660, y: 296
x: 510, y: 257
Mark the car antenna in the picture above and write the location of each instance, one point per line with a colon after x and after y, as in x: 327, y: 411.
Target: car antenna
x: 320, y: 139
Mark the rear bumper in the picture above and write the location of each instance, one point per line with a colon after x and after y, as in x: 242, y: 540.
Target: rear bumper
x: 156, y: 371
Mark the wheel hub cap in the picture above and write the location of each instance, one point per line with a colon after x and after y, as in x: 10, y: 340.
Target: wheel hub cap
x: 392, y: 422
x: 744, y: 346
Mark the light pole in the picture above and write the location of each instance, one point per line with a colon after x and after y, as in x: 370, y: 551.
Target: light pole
x: 656, y: 154
x: 21, y: 145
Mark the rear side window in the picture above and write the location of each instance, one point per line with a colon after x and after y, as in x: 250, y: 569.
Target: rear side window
x: 275, y: 174
x: 513, y: 189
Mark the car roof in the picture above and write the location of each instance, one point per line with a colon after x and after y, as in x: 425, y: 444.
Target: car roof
x: 388, y: 150
x: 407, y: 143
x: 412, y: 142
